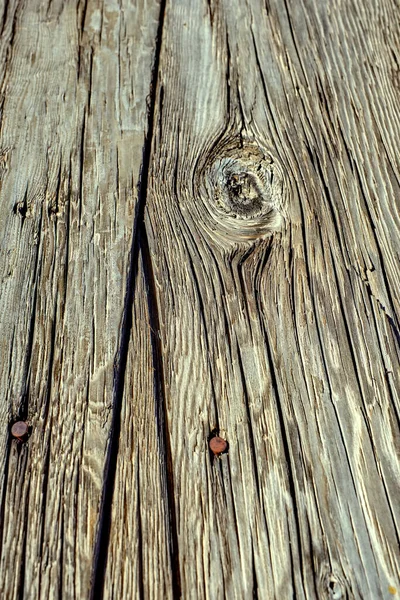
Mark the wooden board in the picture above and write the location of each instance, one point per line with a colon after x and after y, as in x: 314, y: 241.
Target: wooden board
x: 273, y: 227
x: 259, y: 299
x: 74, y: 87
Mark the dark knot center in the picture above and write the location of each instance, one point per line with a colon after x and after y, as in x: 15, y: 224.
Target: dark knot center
x: 244, y: 194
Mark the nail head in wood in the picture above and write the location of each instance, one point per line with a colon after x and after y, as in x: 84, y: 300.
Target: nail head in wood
x: 20, y: 430
x: 218, y: 445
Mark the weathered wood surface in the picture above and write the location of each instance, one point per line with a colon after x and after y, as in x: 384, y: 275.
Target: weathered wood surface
x: 74, y: 87
x: 200, y: 231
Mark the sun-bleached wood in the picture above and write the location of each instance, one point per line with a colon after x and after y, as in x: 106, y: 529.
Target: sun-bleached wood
x: 259, y: 299
x: 139, y: 559
x: 273, y: 224
x: 75, y: 77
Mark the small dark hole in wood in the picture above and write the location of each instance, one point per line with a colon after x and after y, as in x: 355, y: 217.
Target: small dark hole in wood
x: 20, y: 209
x: 335, y: 588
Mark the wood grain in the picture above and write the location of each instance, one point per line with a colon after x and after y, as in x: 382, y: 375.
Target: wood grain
x: 273, y: 227
x: 74, y: 85
x: 199, y: 225
x: 140, y: 551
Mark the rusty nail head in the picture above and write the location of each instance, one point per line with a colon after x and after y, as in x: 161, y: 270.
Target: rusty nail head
x: 19, y: 430
x: 218, y: 445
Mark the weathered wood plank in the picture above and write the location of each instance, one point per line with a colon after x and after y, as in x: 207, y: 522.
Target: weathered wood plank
x: 74, y: 83
x: 268, y: 261
x: 273, y: 227
x: 139, y: 556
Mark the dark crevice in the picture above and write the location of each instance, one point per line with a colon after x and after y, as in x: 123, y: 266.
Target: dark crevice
x: 160, y: 113
x: 61, y: 560
x: 319, y: 328
x: 161, y: 416
x: 293, y: 561
x: 53, y: 207
x: 246, y: 254
x: 23, y: 407
x: 21, y: 583
x: 50, y: 367
x: 228, y: 485
x: 262, y: 79
x: 4, y: 17
x: 83, y: 15
x: 311, y: 535
x: 4, y: 492
x: 78, y: 483
x: 13, y: 28
x: 211, y: 12
x: 67, y: 238
x: 241, y: 111
x: 228, y: 77
x: 45, y: 486
x: 224, y: 311
x: 21, y: 208
x: 81, y: 165
x: 104, y: 523
x: 140, y: 535
x: 255, y: 582
x: 90, y: 86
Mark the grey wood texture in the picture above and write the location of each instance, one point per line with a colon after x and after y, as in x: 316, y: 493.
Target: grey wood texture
x: 74, y: 84
x: 200, y: 233
x: 139, y: 556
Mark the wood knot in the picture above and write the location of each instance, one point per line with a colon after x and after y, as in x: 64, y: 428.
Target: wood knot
x: 331, y: 585
x: 243, y: 191
x: 244, y: 195
x: 336, y: 590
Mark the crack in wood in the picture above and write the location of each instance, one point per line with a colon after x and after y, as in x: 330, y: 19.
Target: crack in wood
x: 161, y: 412
x: 138, y: 243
